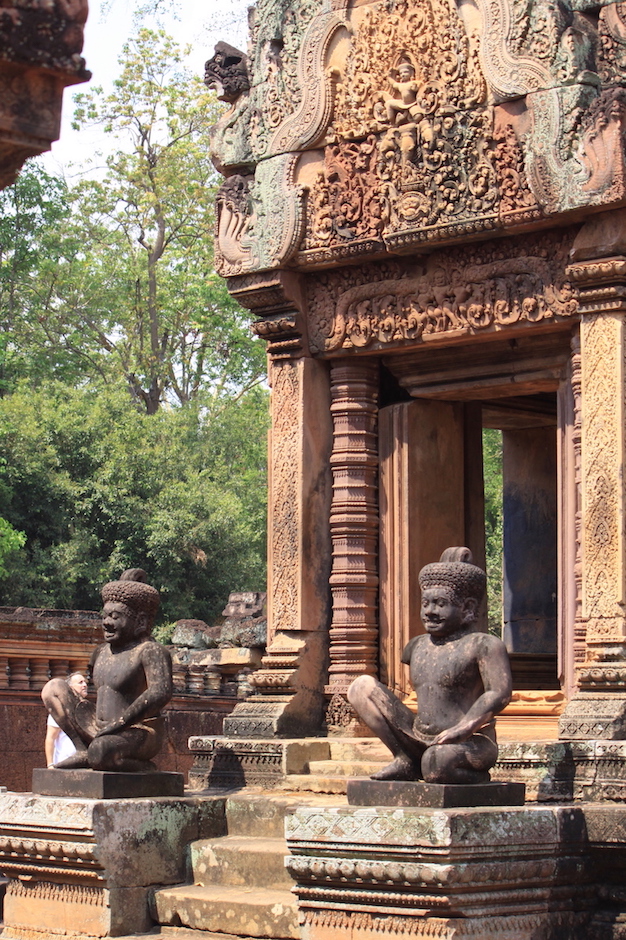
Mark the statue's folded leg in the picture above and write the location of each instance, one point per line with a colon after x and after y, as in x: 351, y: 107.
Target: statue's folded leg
x: 74, y: 715
x: 466, y: 762
x: 392, y: 721
x: 129, y: 750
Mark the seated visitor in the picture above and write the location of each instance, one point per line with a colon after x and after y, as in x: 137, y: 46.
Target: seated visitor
x: 57, y: 744
x: 462, y: 679
x: 132, y: 674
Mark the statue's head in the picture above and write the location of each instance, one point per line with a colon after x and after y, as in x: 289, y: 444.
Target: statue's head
x: 130, y: 606
x: 452, y: 590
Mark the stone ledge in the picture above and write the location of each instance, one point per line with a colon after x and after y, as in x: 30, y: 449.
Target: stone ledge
x: 362, y: 791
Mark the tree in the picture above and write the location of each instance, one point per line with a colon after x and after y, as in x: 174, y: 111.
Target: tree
x: 127, y: 290
x: 492, y: 459
x: 96, y: 486
x: 31, y: 212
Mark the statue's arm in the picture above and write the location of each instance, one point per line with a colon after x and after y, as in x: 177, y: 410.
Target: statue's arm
x: 157, y: 665
x: 495, y: 670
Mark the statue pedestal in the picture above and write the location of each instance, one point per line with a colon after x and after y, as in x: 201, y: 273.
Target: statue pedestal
x: 105, y: 785
x: 87, y: 867
x: 516, y: 873
x: 362, y: 791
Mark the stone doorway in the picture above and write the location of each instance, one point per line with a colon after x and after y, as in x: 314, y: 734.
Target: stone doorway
x: 432, y: 496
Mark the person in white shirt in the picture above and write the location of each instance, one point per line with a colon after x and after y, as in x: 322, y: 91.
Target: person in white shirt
x: 58, y: 745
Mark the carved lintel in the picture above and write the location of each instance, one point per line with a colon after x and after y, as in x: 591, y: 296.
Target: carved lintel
x: 452, y: 294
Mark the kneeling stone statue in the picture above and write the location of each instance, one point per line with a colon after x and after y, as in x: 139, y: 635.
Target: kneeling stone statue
x: 462, y: 679
x: 132, y: 674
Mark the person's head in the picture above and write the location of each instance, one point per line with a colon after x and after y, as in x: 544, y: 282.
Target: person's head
x: 78, y: 684
x: 452, y: 590
x: 130, y: 606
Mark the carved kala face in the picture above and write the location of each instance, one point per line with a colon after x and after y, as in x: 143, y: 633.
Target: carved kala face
x: 119, y: 623
x: 441, y: 615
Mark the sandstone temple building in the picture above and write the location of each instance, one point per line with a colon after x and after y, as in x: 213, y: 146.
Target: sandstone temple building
x: 423, y: 208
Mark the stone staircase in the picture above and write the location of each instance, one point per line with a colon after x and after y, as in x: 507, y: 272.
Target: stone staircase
x: 240, y: 885
x: 355, y: 757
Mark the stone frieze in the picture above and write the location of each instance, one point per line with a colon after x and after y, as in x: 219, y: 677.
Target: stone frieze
x: 454, y: 292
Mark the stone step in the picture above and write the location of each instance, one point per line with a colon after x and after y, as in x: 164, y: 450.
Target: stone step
x: 358, y: 749
x: 183, y: 933
x: 315, y: 784
x: 244, y: 912
x: 240, y: 860
x: 345, y: 768
x: 261, y: 813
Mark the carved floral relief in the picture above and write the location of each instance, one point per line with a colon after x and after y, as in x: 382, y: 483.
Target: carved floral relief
x: 462, y: 291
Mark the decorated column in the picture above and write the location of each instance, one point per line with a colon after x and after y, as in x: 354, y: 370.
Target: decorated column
x: 354, y: 532
x: 289, y: 688
x: 598, y: 708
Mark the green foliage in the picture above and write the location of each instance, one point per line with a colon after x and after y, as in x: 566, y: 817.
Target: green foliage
x: 10, y: 542
x: 112, y: 279
x: 107, y: 287
x: 164, y: 632
x: 97, y: 486
x: 492, y: 459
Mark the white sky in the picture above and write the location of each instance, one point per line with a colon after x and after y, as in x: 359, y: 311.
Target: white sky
x: 200, y: 23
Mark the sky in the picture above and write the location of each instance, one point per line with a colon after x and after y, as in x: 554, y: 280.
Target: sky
x: 200, y: 23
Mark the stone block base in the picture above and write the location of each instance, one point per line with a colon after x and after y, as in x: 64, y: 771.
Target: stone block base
x: 87, y: 867
x: 30, y: 908
x: 565, y: 770
x: 280, y: 716
x: 236, y: 762
x: 451, y: 873
x: 373, y: 924
x: 105, y: 785
x: 362, y: 791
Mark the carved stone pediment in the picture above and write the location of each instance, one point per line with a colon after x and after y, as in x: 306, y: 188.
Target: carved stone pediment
x: 421, y: 121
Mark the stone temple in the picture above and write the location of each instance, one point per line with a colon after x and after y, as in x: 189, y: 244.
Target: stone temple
x: 424, y: 206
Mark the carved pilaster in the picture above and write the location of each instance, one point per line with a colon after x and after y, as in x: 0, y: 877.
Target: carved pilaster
x: 598, y: 709
x: 354, y: 522
x: 289, y: 687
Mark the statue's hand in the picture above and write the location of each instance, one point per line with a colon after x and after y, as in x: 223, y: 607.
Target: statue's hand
x: 456, y: 734
x: 112, y: 728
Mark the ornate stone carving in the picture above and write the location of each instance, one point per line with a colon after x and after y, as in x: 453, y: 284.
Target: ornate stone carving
x: 602, y: 145
x: 466, y: 291
x: 227, y: 73
x: 259, y: 220
x: 291, y: 91
x: 426, y: 35
x: 43, y: 34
